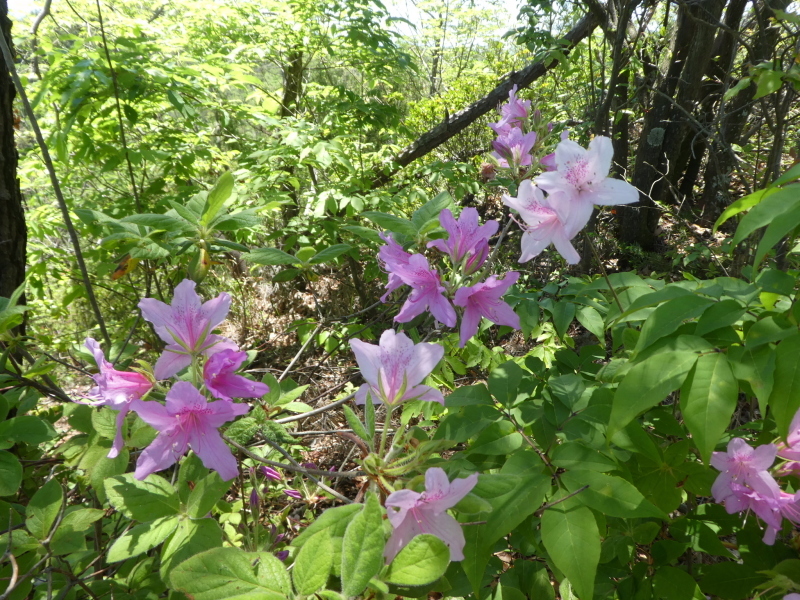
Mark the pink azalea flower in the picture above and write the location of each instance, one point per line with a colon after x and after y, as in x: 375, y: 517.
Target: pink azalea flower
x: 394, y: 369
x: 219, y: 374
x: 427, y: 293
x: 791, y: 449
x: 743, y: 465
x: 466, y: 238
x: 552, y: 220
x: 186, y: 327
x: 393, y: 258
x: 293, y: 494
x: 187, y: 421
x: 271, y: 473
x: 115, y: 389
x: 426, y: 513
x: 514, y: 148
x: 483, y: 300
x: 513, y: 112
x: 584, y: 174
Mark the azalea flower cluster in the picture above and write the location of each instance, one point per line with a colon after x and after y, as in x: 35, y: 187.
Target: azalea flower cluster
x: 467, y: 247
x: 557, y: 204
x: 187, y: 419
x: 745, y: 482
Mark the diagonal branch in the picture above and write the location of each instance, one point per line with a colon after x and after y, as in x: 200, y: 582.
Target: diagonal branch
x: 459, y: 121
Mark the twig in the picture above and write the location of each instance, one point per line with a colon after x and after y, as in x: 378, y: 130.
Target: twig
x: 605, y: 274
x: 300, y: 352
x: 73, y: 235
x: 316, y: 411
x: 539, y: 512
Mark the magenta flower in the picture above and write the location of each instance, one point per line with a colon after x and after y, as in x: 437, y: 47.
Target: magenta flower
x: 219, y: 374
x: 186, y: 327
x: 552, y: 220
x: 426, y: 513
x: 393, y: 258
x: 271, y: 473
x: 791, y: 449
x: 514, y: 148
x: 187, y: 421
x: 427, y: 293
x: 514, y: 112
x: 584, y: 174
x: 115, y: 389
x: 293, y: 494
x: 394, y: 369
x: 483, y: 300
x: 467, y: 239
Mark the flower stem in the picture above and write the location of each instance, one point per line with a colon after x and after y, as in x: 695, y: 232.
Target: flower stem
x: 386, y: 423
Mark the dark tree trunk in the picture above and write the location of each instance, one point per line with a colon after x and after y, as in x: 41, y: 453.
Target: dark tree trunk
x: 13, y: 233
x: 292, y: 92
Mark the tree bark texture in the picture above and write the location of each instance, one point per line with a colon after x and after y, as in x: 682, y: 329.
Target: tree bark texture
x: 13, y: 232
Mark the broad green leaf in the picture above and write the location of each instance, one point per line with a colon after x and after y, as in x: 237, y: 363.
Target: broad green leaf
x: 392, y: 223
x: 165, y: 222
x: 504, y: 382
x: 671, y: 583
x: 499, y: 438
x: 708, y: 399
x: 238, y: 220
x: 784, y: 401
x: 742, y: 204
x: 43, y: 509
x: 771, y: 207
x: 68, y: 537
x: 26, y: 428
x: 271, y: 256
x: 192, y: 536
x: 217, y: 197
x: 206, y: 493
x: 334, y: 519
x: 142, y: 538
x: 330, y: 253
x: 142, y: 501
x: 591, y: 321
x: 755, y: 366
x: 430, y: 210
x: 730, y: 580
x: 669, y: 316
x: 647, y: 384
x: 313, y: 564
x: 777, y: 230
x: 563, y: 313
x: 722, y: 314
x: 647, y: 300
x: 791, y: 174
x: 577, y: 455
x: 468, y: 395
x: 421, y: 562
x: 768, y: 81
x: 743, y: 83
x: 232, y: 574
x: 355, y: 423
x: 571, y: 537
x: 362, y: 547
x: 609, y: 495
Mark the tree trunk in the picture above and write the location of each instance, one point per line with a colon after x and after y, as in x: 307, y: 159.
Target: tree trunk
x: 13, y: 233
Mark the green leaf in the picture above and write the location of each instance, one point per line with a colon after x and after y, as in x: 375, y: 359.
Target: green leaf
x: 768, y: 81
x: 777, y: 230
x: 221, y: 191
x: 577, y: 455
x: 392, y: 223
x: 730, y: 580
x: 670, y: 583
x: 355, y: 423
x: 499, y: 438
x: 143, y: 501
x: 313, y: 564
x: 330, y: 253
x: 430, y: 210
x: 271, y: 256
x: 421, y: 562
x: 563, y: 314
x: 669, y: 316
x: 504, y: 382
x: 192, y: 536
x: 785, y: 398
x: 708, y: 399
x: 67, y: 538
x: 468, y: 395
x: 286, y: 275
x: 206, y: 494
x: 609, y: 495
x: 648, y: 383
x: 742, y: 204
x: 592, y: 321
x: 142, y: 538
x: 335, y: 520
x: 43, y: 509
x: 232, y: 574
x: 571, y: 537
x: 743, y: 83
x: 165, y: 222
x: 362, y: 547
x: 722, y: 314
x: 26, y: 428
x: 771, y: 207
x: 791, y: 174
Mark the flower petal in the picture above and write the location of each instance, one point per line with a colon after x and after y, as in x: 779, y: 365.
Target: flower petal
x: 610, y: 192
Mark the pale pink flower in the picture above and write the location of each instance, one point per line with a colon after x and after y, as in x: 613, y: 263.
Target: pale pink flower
x: 393, y: 258
x: 293, y: 494
x: 555, y: 220
x: 219, y: 374
x: 427, y: 293
x: 187, y: 421
x: 584, y: 174
x: 483, y: 300
x: 467, y: 238
x: 115, y: 389
x: 394, y: 369
x: 186, y: 327
x: 743, y: 465
x: 271, y: 473
x: 791, y: 449
x: 514, y: 148
x: 426, y: 513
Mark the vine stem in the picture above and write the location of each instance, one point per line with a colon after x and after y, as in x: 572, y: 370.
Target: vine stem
x: 73, y: 235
